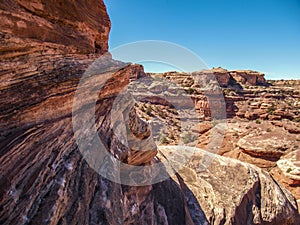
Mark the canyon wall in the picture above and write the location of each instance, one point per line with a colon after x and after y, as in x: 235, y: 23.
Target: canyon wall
x: 46, y: 47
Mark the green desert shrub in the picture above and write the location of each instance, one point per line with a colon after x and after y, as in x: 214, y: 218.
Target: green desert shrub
x: 163, y: 139
x: 190, y: 90
x: 271, y: 109
x: 188, y: 137
x: 149, y: 110
x: 171, y: 136
x: 296, y: 120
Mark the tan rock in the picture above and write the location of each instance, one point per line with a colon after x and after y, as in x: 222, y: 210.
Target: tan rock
x: 274, y: 117
x: 251, y: 115
x: 263, y: 145
x: 248, y: 77
x: 255, y: 105
x: 264, y: 116
x: 290, y: 165
x: 232, y: 192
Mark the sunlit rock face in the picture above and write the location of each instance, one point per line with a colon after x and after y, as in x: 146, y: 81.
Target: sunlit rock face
x: 80, y: 26
x: 46, y: 47
x: 232, y: 192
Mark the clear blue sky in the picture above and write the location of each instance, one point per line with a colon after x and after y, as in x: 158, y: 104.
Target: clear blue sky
x: 262, y: 35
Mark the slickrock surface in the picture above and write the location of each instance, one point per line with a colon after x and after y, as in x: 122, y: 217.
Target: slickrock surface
x: 232, y: 192
x: 46, y: 46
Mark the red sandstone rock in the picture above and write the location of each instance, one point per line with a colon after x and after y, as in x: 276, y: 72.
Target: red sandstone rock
x: 274, y: 117
x: 248, y: 77
x: 46, y: 46
x: 80, y: 26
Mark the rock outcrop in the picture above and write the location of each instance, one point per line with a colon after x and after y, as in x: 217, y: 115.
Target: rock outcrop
x: 45, y: 49
x: 242, y: 77
x: 262, y: 122
x: 78, y: 26
x: 249, y: 77
x: 232, y: 192
x: 46, y: 178
x: 290, y: 166
x: 225, y: 78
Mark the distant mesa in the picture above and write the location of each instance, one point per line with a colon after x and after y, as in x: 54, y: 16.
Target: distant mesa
x: 228, y: 78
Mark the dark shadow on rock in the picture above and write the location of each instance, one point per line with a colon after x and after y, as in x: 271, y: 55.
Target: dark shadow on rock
x: 180, y: 204
x: 195, y: 211
x: 233, y: 84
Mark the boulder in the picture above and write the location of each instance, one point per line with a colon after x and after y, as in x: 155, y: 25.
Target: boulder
x: 263, y: 145
x: 232, y: 192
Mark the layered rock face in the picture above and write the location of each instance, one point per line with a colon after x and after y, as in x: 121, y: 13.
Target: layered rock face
x: 45, y: 49
x: 226, y: 77
x: 42, y: 56
x: 83, y: 29
x: 247, y: 94
x: 46, y: 46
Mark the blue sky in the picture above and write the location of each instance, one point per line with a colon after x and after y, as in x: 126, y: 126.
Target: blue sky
x: 262, y: 35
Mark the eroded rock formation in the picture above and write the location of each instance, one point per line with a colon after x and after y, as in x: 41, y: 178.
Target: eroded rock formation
x: 262, y: 125
x: 46, y: 46
x: 79, y: 26
x: 232, y: 192
x: 45, y: 49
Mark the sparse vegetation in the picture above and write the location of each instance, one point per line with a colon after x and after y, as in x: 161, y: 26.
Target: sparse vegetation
x: 142, y: 107
x: 163, y: 139
x: 174, y: 111
x: 257, y: 121
x: 268, y: 130
x: 296, y: 120
x: 271, y: 109
x: 171, y: 136
x: 188, y: 138
x: 149, y: 110
x: 162, y: 114
x: 190, y: 90
x: 235, y: 135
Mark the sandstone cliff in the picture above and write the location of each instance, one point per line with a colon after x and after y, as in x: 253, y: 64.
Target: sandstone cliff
x: 46, y: 46
x: 78, y: 26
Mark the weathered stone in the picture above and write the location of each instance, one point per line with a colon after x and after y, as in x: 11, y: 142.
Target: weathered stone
x: 232, y: 192
x: 290, y: 165
x: 46, y: 46
x: 84, y: 29
x: 263, y: 145
x: 248, y: 77
x: 274, y: 117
